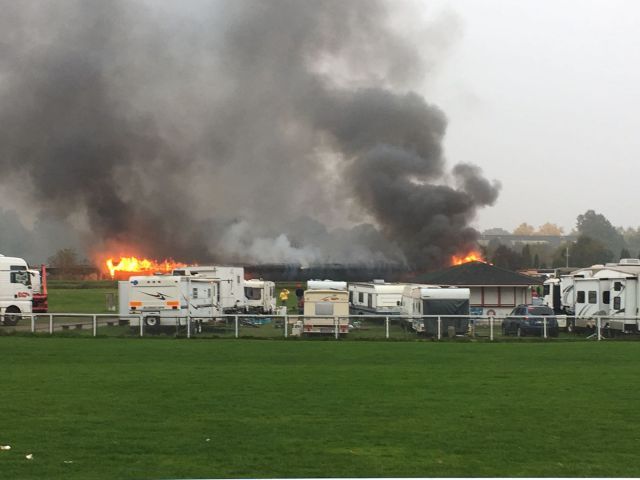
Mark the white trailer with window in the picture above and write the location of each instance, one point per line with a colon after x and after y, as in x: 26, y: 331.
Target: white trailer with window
x: 451, y: 304
x: 324, y: 312
x: 231, y: 295
x: 376, y: 298
x: 16, y: 294
x: 170, y: 300
x: 260, y: 296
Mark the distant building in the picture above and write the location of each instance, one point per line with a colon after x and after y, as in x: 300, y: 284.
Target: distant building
x: 494, y: 290
x: 553, y: 241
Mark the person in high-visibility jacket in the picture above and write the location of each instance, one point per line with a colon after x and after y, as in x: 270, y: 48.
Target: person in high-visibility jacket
x: 284, y: 296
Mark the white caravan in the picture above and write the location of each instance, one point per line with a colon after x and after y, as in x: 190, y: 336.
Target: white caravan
x: 326, y: 285
x: 231, y: 279
x: 169, y: 300
x: 16, y: 292
x: 324, y: 310
x: 431, y: 300
x: 260, y: 296
x: 376, y: 297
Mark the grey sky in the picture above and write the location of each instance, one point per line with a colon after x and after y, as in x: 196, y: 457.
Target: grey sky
x: 544, y: 95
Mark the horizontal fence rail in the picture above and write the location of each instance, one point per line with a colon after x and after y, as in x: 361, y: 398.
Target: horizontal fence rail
x: 371, y: 326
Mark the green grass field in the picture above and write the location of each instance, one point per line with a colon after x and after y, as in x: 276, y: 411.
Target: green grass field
x: 141, y: 408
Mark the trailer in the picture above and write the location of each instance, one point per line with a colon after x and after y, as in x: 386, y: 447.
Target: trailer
x: 39, y: 292
x: 16, y: 294
x: 170, y: 300
x: 377, y: 297
x: 260, y: 296
x: 420, y: 301
x: 326, y: 311
x: 231, y: 295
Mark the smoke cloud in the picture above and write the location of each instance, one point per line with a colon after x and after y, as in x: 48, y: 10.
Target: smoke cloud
x: 234, y: 131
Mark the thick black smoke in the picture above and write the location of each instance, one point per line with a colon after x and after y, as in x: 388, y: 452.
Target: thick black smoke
x: 237, y: 131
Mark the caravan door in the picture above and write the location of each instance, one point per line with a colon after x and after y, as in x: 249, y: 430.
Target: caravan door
x: 202, y: 295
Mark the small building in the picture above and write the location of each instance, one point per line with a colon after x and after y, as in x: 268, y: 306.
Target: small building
x: 494, y: 290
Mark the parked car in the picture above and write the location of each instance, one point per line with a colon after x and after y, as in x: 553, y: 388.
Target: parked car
x: 529, y: 320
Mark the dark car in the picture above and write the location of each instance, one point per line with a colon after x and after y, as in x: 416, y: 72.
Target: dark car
x: 529, y: 320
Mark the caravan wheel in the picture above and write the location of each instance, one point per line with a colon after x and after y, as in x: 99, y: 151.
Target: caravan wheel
x: 152, y: 322
x: 12, y: 315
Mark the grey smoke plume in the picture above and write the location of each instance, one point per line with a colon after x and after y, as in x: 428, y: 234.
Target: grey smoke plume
x: 233, y: 131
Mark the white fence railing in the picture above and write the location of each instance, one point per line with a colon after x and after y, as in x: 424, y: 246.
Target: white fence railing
x: 358, y: 326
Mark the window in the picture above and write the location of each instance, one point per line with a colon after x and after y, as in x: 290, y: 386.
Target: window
x: 195, y: 293
x: 370, y: 300
x: 606, y: 297
x: 593, y: 296
x: 617, y: 286
x: 324, y: 308
x: 350, y: 296
x: 252, y: 293
x: 545, y: 289
x: 360, y: 297
x: 616, y: 303
x: 238, y: 279
x: 208, y: 293
x: 20, y: 276
x: 580, y: 297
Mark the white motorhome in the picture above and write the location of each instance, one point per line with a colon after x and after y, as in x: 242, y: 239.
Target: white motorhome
x: 419, y: 301
x: 232, y: 298
x: 260, y: 296
x: 324, y: 310
x: 170, y: 300
x: 16, y: 292
x: 604, y: 291
x: 376, y: 297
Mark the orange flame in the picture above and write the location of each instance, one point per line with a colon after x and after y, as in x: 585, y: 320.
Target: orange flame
x: 472, y: 256
x: 136, y: 265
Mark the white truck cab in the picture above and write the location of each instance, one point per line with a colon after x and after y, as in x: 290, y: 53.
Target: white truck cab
x: 16, y: 292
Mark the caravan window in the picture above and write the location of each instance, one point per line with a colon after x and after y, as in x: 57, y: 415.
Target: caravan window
x: 616, y: 303
x: 545, y: 289
x: 195, y: 293
x: 593, y: 296
x: 324, y: 308
x: 617, y: 286
x: 350, y: 296
x: 606, y: 297
x: 370, y: 300
x: 252, y: 293
x: 360, y: 297
x: 580, y: 297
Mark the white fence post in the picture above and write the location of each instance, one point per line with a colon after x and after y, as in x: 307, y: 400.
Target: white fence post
x: 95, y: 325
x: 286, y: 326
x: 237, y: 327
x: 599, y: 327
x: 336, y: 323
x: 33, y: 323
x: 386, y: 327
x: 141, y: 326
x: 439, y: 327
x: 51, y: 324
x: 491, y: 328
x: 189, y: 326
x: 544, y: 328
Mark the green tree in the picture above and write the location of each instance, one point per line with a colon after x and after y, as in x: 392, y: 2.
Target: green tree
x: 527, y: 260
x: 504, y: 257
x: 65, y: 260
x: 597, y: 227
x: 583, y: 253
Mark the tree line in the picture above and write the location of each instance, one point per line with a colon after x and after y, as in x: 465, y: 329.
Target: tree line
x: 597, y: 241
